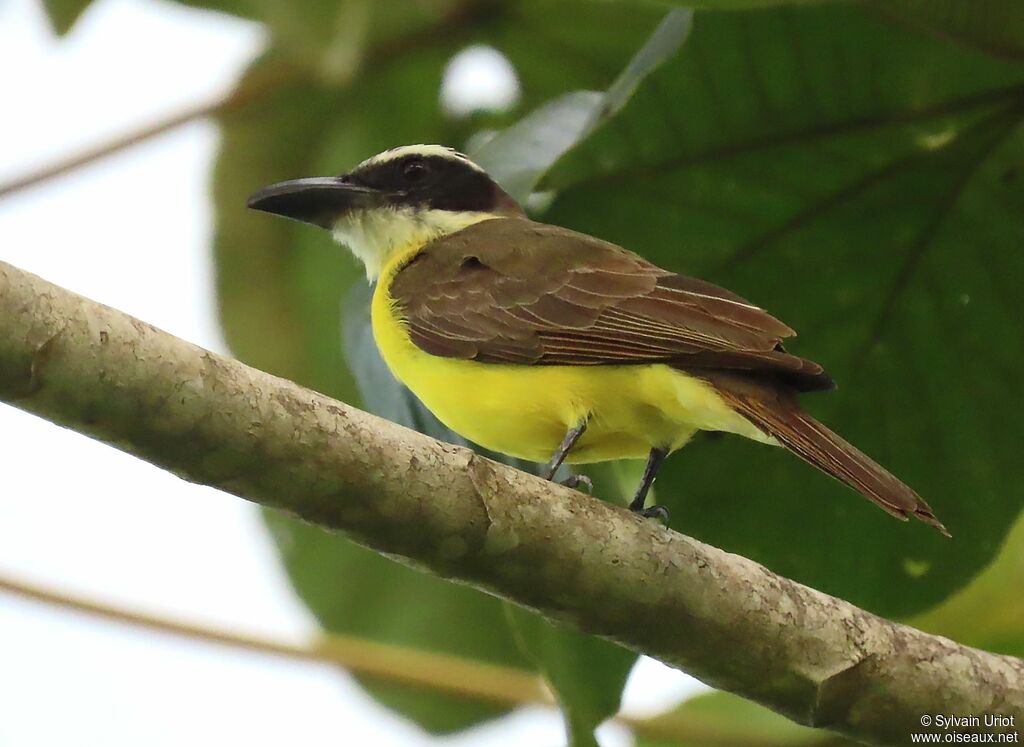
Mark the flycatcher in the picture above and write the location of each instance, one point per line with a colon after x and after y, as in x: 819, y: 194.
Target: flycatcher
x: 550, y: 345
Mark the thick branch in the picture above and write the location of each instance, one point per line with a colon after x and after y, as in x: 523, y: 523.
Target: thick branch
x: 721, y: 617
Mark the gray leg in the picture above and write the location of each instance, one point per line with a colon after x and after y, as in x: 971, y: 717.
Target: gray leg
x: 654, y: 460
x: 563, y: 449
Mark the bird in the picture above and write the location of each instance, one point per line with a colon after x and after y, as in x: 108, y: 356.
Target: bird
x: 553, y: 346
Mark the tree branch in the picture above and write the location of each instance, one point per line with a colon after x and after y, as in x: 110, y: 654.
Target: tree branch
x: 721, y: 617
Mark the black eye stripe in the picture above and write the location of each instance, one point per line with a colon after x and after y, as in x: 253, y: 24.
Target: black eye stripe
x: 390, y: 174
x: 431, y: 181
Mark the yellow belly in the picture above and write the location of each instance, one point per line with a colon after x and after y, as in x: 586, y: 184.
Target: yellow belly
x: 525, y: 411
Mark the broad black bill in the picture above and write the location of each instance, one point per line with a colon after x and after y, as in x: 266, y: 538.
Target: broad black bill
x: 319, y: 201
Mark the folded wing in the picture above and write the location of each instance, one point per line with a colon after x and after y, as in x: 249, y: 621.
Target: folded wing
x: 515, y: 291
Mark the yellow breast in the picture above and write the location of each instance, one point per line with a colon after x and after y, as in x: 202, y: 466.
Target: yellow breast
x: 525, y: 411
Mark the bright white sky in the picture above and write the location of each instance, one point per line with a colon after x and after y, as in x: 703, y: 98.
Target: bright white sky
x: 133, y: 231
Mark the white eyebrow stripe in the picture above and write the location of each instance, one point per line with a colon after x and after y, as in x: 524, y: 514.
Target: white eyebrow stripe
x: 401, y: 151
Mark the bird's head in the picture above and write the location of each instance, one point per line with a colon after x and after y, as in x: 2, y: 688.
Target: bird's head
x: 398, y: 199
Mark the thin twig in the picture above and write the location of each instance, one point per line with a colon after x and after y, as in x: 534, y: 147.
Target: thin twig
x: 463, y: 678
x: 241, y: 96
x: 454, y: 21
x: 111, y: 146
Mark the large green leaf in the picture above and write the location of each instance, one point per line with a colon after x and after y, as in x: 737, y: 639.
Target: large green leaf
x: 996, y: 26
x: 861, y: 182
x: 989, y: 612
x: 520, y: 155
x: 281, y: 287
x: 993, y: 25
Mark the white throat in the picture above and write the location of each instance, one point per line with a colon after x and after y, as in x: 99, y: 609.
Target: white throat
x: 377, y: 235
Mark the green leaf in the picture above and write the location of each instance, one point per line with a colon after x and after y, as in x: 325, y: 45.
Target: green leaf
x: 996, y: 26
x: 723, y: 719
x: 586, y: 673
x: 520, y: 155
x: 993, y: 25
x: 862, y: 182
x: 989, y: 613
x: 281, y: 286
x: 64, y: 13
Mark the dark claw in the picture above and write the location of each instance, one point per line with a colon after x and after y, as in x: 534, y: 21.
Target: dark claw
x: 656, y: 512
x: 575, y: 481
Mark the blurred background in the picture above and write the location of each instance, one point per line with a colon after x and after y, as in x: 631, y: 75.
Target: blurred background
x: 856, y: 170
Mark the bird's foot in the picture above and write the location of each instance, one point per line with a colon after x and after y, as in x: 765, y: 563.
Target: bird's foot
x: 654, y: 512
x: 577, y: 481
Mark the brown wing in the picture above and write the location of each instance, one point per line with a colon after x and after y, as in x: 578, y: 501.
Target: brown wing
x: 515, y: 291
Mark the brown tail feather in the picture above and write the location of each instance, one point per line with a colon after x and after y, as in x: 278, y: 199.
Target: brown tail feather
x: 776, y: 412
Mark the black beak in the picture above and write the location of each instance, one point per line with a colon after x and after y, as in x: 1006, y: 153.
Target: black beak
x: 320, y: 200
